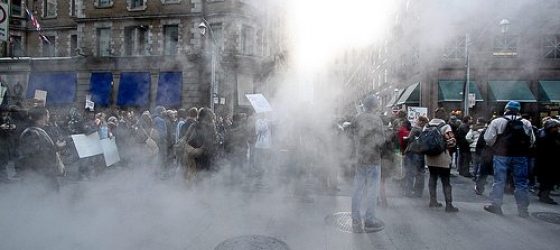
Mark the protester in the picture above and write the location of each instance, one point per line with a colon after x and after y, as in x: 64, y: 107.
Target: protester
x: 547, y: 152
x: 414, y: 161
x: 369, y: 137
x: 37, y: 152
x: 464, y: 147
x: 472, y: 139
x: 7, y: 129
x: 485, y: 166
x: 511, y: 137
x: 201, y: 142
x: 439, y: 165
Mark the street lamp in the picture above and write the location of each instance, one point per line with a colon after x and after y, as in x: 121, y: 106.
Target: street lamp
x: 203, y: 27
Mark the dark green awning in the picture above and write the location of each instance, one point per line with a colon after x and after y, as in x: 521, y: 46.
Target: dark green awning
x: 411, y: 95
x: 452, y: 91
x: 550, y: 91
x: 504, y: 91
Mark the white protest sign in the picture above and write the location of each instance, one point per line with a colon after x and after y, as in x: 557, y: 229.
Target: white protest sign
x: 41, y: 95
x: 472, y: 100
x: 415, y: 112
x: 259, y: 103
x: 4, y: 12
x: 110, y: 151
x: 90, y: 105
x: 87, y: 145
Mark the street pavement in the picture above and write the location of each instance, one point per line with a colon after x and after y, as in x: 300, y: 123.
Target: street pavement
x: 128, y: 209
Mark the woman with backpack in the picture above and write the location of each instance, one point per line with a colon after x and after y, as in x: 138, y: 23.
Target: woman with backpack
x: 414, y: 161
x: 439, y: 163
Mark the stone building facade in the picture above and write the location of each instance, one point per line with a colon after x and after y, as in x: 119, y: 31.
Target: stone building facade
x: 101, y: 42
x: 513, y: 53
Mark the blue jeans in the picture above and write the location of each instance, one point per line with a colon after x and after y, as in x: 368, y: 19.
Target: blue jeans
x: 519, y: 166
x: 366, y: 183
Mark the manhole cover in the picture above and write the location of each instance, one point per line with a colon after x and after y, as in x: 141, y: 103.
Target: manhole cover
x: 343, y: 222
x: 252, y: 242
x: 548, y: 217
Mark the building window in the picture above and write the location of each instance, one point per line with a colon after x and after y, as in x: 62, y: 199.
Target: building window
x: 171, y: 39
x: 49, y: 46
x: 247, y: 41
x: 218, y: 35
x: 136, y: 41
x: 134, y: 4
x: 73, y: 45
x: 103, y: 3
x: 72, y: 7
x: 16, y: 46
x: 260, y: 43
x: 455, y: 48
x: 16, y: 8
x: 49, y: 8
x: 505, y: 45
x: 551, y: 46
x: 170, y: 1
x: 104, y: 41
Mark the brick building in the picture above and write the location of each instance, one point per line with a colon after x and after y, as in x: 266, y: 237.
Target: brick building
x: 513, y: 50
x: 142, y: 53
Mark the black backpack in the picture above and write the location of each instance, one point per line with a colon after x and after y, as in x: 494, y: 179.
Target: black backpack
x: 513, y: 141
x: 431, y: 140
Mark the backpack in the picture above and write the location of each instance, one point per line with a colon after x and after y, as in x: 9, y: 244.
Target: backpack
x: 513, y: 141
x: 431, y: 141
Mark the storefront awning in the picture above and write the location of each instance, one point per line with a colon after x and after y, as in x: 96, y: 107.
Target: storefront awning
x: 134, y: 89
x: 60, y: 86
x: 395, y: 98
x: 504, y: 91
x: 411, y: 95
x: 452, y: 91
x: 170, y: 86
x: 100, y: 86
x: 550, y: 91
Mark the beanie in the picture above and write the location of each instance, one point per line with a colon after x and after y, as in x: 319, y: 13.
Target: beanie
x: 513, y: 106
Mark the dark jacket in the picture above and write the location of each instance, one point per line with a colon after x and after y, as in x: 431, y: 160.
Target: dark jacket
x: 369, y: 138
x: 203, y: 135
x: 37, y: 152
x: 547, y: 152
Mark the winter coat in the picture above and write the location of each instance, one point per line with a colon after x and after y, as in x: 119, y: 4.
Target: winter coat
x: 37, y: 152
x: 369, y: 138
x: 472, y: 138
x: 444, y: 159
x: 547, y: 152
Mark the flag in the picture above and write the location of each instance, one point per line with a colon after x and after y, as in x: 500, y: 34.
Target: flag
x: 33, y: 19
x: 44, y: 39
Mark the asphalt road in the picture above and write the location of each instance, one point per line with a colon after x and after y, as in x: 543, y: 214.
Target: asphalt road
x: 130, y: 209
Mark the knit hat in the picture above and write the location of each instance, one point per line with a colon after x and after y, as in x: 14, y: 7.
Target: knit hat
x: 370, y: 102
x: 513, y: 106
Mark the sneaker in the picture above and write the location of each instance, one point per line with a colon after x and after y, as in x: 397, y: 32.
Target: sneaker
x: 356, y: 226
x: 451, y: 209
x: 373, y: 226
x: 435, y: 204
x: 494, y: 209
x: 477, y: 191
x: 523, y: 214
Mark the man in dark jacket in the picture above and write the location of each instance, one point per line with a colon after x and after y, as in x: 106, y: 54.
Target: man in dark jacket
x: 369, y: 137
x: 37, y: 151
x: 547, y: 151
x: 464, y: 149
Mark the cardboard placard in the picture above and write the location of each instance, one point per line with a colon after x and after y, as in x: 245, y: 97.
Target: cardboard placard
x: 110, y: 151
x: 41, y: 95
x: 87, y: 145
x: 259, y: 103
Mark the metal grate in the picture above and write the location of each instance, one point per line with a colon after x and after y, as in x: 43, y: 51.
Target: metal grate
x: 548, y: 217
x: 343, y: 222
x: 252, y: 242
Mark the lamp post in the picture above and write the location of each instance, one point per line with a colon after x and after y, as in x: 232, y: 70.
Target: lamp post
x: 467, y: 78
x: 203, y: 26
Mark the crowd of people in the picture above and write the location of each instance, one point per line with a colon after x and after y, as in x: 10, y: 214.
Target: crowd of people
x: 195, y: 142
x: 520, y: 156
x: 191, y: 141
